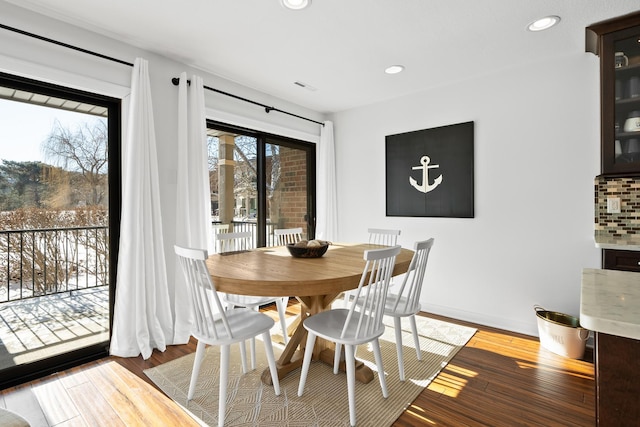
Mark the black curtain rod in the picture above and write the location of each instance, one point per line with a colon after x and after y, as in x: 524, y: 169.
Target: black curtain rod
x: 267, y: 109
x: 175, y: 80
x: 56, y: 42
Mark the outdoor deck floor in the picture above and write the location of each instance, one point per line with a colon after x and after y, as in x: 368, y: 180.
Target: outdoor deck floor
x: 41, y: 327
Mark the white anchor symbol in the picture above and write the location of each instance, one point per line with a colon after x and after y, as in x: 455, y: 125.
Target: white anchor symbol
x: 425, y: 187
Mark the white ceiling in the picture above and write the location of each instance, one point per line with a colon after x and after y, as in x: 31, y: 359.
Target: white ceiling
x: 341, y: 47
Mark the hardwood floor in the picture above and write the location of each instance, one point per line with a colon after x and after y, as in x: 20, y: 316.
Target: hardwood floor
x: 504, y: 379
x: 498, y: 379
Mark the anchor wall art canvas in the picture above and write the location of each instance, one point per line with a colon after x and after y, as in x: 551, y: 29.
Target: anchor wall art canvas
x: 430, y: 172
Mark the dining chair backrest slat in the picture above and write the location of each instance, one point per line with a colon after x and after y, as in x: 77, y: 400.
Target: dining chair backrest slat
x: 372, y: 292
x: 231, y: 242
x: 284, y: 236
x: 412, y: 284
x: 381, y: 236
x: 202, y: 291
x: 377, y: 236
x: 215, y: 230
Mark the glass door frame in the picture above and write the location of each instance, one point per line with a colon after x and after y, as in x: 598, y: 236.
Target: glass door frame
x: 27, y: 372
x: 264, y: 138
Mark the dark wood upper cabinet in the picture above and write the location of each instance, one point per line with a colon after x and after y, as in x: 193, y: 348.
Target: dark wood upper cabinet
x: 617, y: 43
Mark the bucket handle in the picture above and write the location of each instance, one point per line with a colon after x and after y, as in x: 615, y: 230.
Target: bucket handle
x: 580, y: 332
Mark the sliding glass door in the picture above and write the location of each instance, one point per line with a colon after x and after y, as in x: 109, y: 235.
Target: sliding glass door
x: 260, y: 182
x: 59, y: 214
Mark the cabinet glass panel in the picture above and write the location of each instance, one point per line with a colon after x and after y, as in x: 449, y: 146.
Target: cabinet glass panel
x: 627, y: 100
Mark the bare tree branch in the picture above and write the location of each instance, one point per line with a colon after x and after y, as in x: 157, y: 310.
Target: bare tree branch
x: 83, y: 150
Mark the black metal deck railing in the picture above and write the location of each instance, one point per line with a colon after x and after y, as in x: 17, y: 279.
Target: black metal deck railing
x: 47, y: 261
x: 41, y: 262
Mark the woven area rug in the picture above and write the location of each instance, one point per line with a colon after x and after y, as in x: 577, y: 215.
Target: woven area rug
x: 324, y: 402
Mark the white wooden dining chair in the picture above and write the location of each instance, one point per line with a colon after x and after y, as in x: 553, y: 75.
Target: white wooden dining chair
x: 377, y: 236
x: 215, y: 326
x: 406, y: 301
x: 215, y: 230
x: 241, y: 241
x: 284, y: 236
x: 355, y: 325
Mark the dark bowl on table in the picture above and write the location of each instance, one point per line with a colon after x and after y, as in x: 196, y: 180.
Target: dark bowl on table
x: 307, y: 251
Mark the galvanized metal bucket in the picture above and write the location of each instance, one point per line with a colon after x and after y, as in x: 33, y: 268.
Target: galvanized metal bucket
x: 561, y: 333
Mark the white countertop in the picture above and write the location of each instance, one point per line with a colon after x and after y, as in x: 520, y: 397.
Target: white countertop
x: 610, y: 302
x: 625, y: 243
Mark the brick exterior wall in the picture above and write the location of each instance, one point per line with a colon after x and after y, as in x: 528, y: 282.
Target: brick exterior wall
x: 289, y: 204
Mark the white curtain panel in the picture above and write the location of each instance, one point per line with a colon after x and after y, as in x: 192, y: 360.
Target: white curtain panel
x: 193, y: 209
x: 142, y: 315
x: 327, y: 206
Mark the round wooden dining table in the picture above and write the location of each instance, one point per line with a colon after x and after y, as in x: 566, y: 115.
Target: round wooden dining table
x: 314, y: 282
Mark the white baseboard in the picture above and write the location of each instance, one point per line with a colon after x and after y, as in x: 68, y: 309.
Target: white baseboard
x: 483, y: 319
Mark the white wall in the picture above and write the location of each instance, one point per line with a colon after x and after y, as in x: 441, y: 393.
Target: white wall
x: 536, y: 156
x: 40, y: 60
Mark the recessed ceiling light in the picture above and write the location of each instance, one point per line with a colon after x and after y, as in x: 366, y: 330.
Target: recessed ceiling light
x: 295, y: 4
x: 394, y: 69
x: 543, y: 23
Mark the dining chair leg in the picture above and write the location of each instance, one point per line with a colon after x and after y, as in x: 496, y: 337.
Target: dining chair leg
x: 337, y: 352
x: 281, y: 305
x: 416, y: 339
x: 224, y: 377
x: 197, y: 362
x: 306, y: 361
x: 252, y: 345
x: 243, y: 346
x: 398, y: 329
x: 243, y: 355
x: 350, y: 362
x: 378, y: 356
x: 268, y: 347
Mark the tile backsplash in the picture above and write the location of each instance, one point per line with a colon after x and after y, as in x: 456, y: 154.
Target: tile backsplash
x: 625, y: 224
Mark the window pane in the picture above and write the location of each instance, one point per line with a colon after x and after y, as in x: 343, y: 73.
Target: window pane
x: 233, y: 182
x: 54, y: 249
x: 259, y: 183
x: 245, y: 178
